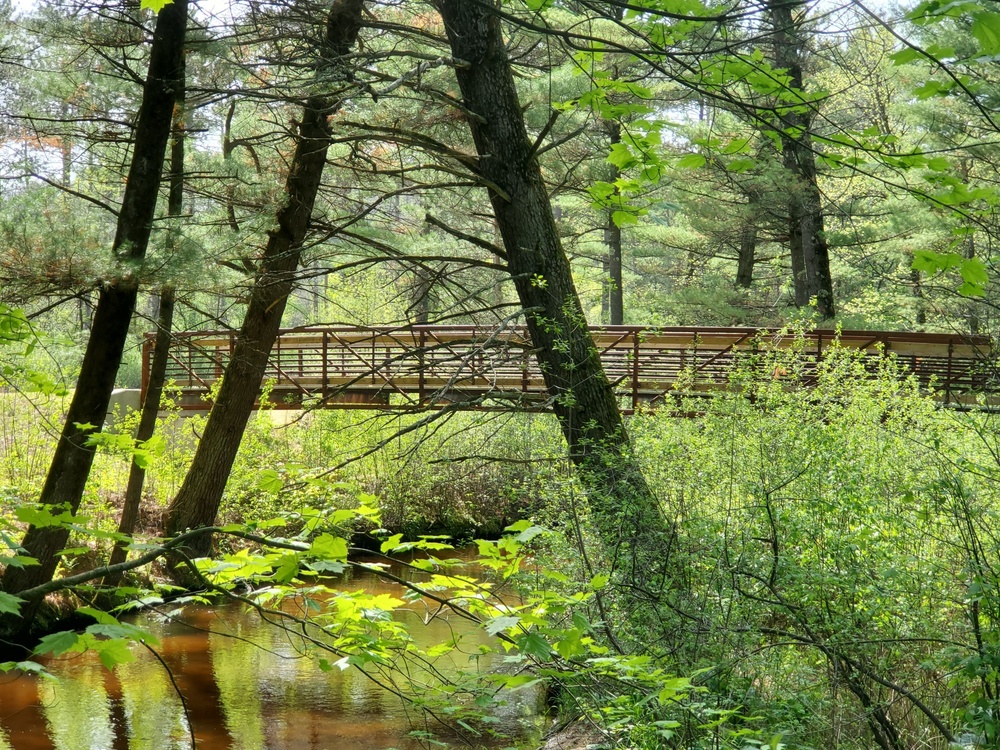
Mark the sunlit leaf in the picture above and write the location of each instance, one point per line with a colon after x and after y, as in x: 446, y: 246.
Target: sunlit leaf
x: 269, y: 480
x: 498, y: 624
x: 329, y: 547
x: 155, y: 5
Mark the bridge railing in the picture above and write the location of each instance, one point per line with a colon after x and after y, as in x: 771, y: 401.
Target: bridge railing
x: 415, y: 366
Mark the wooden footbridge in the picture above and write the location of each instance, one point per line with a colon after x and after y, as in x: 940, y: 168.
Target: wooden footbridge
x: 420, y: 366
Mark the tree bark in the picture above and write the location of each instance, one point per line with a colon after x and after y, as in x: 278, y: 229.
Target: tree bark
x: 613, y: 239
x: 748, y: 255
x: 71, y: 463
x: 161, y: 346
x: 197, y: 501
x: 810, y: 253
x: 918, y: 296
x: 626, y: 512
x: 615, y: 292
x: 147, y: 425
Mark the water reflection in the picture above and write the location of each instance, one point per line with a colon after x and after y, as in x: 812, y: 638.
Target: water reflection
x: 246, y: 687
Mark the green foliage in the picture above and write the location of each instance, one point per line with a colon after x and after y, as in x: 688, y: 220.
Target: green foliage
x: 972, y: 270
x: 155, y: 5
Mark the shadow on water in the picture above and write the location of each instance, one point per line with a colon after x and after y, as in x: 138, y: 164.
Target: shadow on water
x: 246, y: 685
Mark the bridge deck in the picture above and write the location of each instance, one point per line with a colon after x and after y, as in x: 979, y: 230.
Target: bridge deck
x: 413, y: 367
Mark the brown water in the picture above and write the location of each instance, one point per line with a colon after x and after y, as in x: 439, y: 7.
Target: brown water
x: 246, y: 687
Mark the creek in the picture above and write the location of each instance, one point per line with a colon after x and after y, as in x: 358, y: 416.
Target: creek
x: 246, y: 687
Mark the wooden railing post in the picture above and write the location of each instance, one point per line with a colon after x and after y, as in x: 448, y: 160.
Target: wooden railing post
x: 635, y: 369
x: 277, y: 360
x: 325, y: 387
x: 421, y: 365
x: 525, y: 363
x: 947, y: 382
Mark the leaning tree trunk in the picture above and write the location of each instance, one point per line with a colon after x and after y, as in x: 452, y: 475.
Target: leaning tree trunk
x: 161, y: 344
x: 626, y: 511
x: 197, y: 501
x: 810, y: 253
x: 64, y: 484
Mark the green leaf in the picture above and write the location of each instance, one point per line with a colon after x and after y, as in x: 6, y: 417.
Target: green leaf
x: 57, y: 643
x: 691, y: 161
x: 10, y: 604
x: 931, y: 88
x: 514, y: 681
x: 905, y: 56
x: 270, y: 481
x: 621, y: 218
x: 287, y: 568
x: 741, y: 165
x: 122, y: 630
x: 329, y: 547
x: 43, y: 516
x: 114, y: 652
x: 391, y: 543
x: 986, y: 30
x: 155, y: 5
x: 498, y: 624
x: 530, y: 533
x: 737, y: 146
x: 102, y: 617
x: 31, y: 667
x: 970, y: 290
x: 621, y: 157
x: 571, y: 645
x: 533, y: 644
x: 518, y: 526
x: 974, y: 271
x: 930, y: 261
x: 673, y: 689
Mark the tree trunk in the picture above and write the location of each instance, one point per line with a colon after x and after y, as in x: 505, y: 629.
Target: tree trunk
x: 197, y: 501
x: 810, y: 254
x: 972, y: 306
x: 147, y: 424
x: 67, y: 476
x: 918, y: 295
x: 626, y: 512
x: 616, y: 296
x: 606, y: 285
x: 748, y: 255
x: 613, y: 239
x: 161, y: 346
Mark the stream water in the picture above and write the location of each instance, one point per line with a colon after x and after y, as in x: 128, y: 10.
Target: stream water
x: 246, y: 688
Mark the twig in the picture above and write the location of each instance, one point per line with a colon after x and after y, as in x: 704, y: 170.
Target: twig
x: 177, y: 689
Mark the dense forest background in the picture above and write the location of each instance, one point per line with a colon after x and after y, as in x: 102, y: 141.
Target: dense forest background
x: 789, y: 567
x: 667, y: 160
